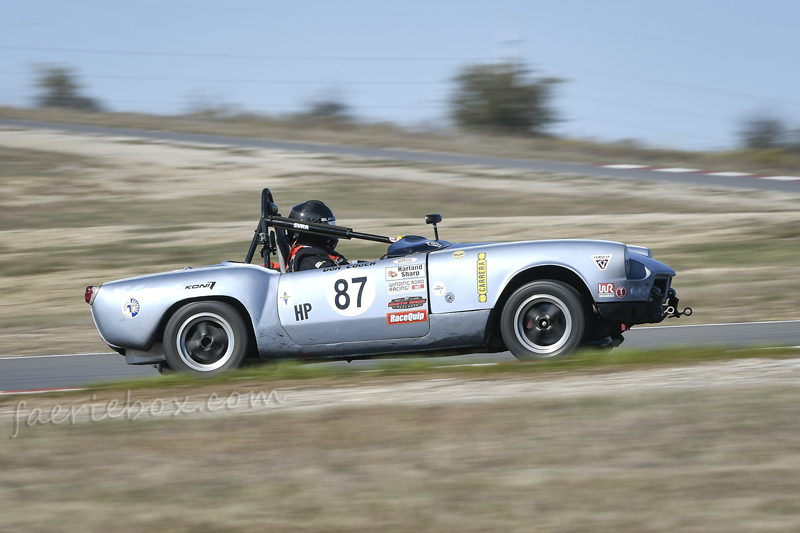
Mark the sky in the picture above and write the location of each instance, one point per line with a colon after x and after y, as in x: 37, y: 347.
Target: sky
x: 678, y: 74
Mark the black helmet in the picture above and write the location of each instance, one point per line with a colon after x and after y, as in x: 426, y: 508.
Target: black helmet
x: 317, y: 212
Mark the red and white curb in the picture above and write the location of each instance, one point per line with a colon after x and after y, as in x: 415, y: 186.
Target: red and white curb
x: 680, y: 170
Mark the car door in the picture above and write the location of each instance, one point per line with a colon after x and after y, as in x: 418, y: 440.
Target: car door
x: 369, y: 301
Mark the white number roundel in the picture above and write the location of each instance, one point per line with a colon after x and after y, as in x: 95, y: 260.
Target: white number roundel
x: 351, y: 295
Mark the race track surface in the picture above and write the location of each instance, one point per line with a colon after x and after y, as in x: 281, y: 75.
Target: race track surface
x: 68, y: 371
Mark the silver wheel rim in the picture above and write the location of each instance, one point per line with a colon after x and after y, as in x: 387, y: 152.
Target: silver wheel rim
x: 205, y: 342
x: 543, y: 324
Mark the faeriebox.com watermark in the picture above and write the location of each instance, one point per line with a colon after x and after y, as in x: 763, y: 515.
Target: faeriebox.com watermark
x: 113, y: 409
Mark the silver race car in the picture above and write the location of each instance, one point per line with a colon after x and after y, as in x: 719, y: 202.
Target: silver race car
x: 536, y: 298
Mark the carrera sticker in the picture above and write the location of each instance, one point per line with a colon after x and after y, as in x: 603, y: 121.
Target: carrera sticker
x: 206, y: 285
x: 605, y: 290
x: 301, y: 312
x: 482, y: 275
x: 409, y: 302
x: 405, y: 272
x: 438, y: 289
x: 406, y: 285
x: 602, y: 260
x: 130, y: 308
x: 459, y: 254
x: 621, y: 291
x: 405, y: 260
x: 406, y: 317
x: 351, y: 296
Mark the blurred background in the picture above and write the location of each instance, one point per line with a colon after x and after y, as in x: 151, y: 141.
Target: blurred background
x: 710, y: 75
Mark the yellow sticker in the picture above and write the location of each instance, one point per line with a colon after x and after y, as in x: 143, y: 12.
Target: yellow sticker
x: 459, y: 254
x: 482, y: 282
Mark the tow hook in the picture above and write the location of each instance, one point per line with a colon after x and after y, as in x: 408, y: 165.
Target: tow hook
x: 671, y: 309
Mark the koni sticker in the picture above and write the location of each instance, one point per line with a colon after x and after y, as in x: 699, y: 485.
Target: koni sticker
x: 605, y: 290
x: 406, y: 285
x: 602, y: 260
x: 206, y: 285
x: 408, y: 302
x: 405, y: 272
x: 482, y: 275
x: 130, y: 308
x: 406, y: 317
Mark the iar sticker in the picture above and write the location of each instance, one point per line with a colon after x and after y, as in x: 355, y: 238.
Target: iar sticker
x: 130, y: 308
x: 351, y: 295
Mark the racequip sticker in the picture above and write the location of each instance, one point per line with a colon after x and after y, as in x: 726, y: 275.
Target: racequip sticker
x: 409, y: 302
x: 405, y: 272
x: 605, y: 290
x: 406, y: 285
x: 482, y: 275
x: 602, y: 260
x: 130, y: 308
x: 406, y: 317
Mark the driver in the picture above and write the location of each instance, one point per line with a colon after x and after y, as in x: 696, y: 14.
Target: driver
x: 313, y: 251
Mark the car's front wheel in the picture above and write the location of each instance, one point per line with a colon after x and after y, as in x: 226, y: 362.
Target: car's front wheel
x: 543, y: 319
x: 205, y: 338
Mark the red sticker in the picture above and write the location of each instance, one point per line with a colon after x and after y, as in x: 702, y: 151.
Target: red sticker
x: 605, y: 290
x: 406, y: 317
x: 621, y: 292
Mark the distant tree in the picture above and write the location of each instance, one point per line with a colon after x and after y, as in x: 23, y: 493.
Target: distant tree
x: 58, y: 87
x: 329, y: 108
x: 503, y: 98
x: 762, y: 131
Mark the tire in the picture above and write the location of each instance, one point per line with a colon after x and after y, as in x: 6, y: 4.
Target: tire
x: 543, y: 319
x: 205, y: 338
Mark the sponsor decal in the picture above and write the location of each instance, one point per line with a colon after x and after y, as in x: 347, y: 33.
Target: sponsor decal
x: 605, y: 290
x: 332, y: 269
x: 406, y: 285
x: 434, y: 244
x: 405, y: 260
x: 409, y: 302
x: 206, y: 285
x: 361, y: 264
x: 459, y: 254
x: 300, y: 226
x: 285, y: 298
x: 482, y: 275
x: 130, y: 308
x: 438, y: 289
x: 449, y: 297
x: 406, y: 317
x: 621, y: 291
x: 395, y: 239
x: 602, y: 260
x: 405, y: 272
x: 351, y: 296
x: 301, y: 312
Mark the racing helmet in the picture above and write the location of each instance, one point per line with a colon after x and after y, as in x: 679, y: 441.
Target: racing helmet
x: 317, y: 212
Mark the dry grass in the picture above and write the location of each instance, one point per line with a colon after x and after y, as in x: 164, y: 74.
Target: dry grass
x: 707, y: 461
x: 78, y: 210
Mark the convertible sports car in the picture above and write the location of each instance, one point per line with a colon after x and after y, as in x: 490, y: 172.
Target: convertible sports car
x: 536, y: 298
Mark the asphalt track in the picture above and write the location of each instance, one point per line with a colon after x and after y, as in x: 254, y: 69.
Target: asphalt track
x: 663, y: 175
x: 69, y: 371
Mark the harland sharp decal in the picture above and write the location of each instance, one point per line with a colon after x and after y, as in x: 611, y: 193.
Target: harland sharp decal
x: 406, y: 317
x: 602, y: 260
x: 405, y: 272
x: 482, y: 282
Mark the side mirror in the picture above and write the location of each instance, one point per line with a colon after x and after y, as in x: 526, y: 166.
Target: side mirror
x: 433, y: 219
x: 267, y: 203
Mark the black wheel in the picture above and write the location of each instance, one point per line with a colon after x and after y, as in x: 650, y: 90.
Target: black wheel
x: 205, y: 338
x: 543, y: 319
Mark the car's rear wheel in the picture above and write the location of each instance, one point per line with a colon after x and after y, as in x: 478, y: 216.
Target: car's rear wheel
x: 205, y: 338
x: 543, y: 319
